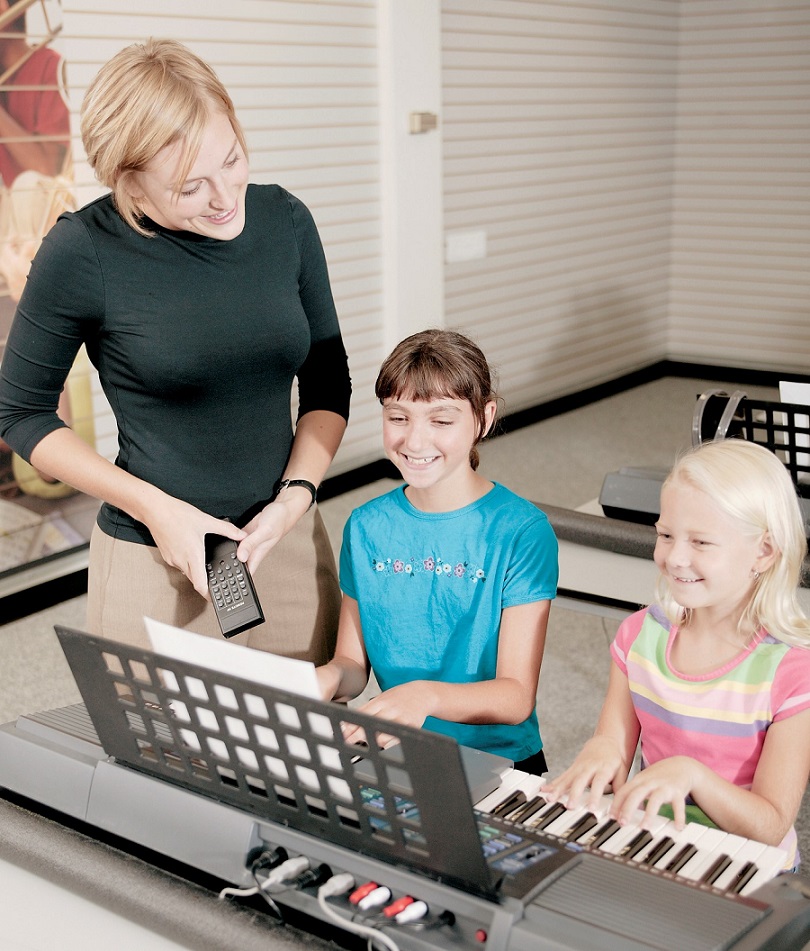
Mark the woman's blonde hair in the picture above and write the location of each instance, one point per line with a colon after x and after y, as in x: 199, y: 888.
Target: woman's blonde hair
x: 751, y: 485
x: 149, y: 96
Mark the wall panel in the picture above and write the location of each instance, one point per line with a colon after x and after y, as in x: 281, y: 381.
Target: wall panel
x: 558, y: 124
x: 741, y: 191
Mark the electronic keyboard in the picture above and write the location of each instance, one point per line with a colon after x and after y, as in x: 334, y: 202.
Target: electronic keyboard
x: 215, y: 772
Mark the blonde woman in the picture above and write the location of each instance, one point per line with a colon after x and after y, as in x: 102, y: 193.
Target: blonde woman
x: 200, y: 299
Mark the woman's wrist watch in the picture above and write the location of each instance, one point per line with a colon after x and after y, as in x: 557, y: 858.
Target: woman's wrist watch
x: 288, y: 483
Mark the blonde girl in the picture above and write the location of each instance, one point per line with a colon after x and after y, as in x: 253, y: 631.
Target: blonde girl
x: 714, y: 679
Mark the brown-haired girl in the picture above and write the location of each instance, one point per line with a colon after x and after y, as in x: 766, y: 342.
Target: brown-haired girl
x: 447, y: 581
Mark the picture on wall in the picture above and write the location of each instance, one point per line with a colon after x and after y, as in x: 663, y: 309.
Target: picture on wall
x: 38, y: 516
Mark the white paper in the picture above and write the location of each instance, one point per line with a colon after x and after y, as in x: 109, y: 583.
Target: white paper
x: 792, y: 392
x: 261, y: 667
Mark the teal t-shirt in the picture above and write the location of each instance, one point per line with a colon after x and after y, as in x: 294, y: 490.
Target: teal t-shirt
x: 431, y: 587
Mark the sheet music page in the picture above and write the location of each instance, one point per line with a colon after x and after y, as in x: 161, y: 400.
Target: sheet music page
x: 272, y: 670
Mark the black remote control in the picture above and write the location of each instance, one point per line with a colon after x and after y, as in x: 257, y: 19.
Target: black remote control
x: 232, y: 592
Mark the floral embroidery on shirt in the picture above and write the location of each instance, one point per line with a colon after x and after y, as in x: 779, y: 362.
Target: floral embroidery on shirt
x: 431, y: 565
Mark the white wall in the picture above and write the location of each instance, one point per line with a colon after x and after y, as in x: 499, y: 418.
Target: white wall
x: 559, y: 132
x: 636, y: 174
x: 740, y: 262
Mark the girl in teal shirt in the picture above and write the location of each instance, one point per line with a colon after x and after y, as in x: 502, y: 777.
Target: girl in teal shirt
x: 447, y: 580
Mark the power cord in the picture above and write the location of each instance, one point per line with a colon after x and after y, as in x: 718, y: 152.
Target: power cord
x: 265, y: 858
x: 312, y: 877
x: 297, y: 873
x: 280, y: 874
x: 237, y: 892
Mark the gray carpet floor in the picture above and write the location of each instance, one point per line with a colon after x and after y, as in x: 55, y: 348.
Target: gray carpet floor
x: 561, y: 461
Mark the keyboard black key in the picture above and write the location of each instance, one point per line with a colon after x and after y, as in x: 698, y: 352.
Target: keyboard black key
x: 658, y: 851
x: 585, y: 824
x: 552, y: 813
x: 681, y: 858
x: 510, y: 803
x: 603, y: 833
x: 715, y: 870
x: 742, y: 878
x: 533, y: 806
x: 636, y: 844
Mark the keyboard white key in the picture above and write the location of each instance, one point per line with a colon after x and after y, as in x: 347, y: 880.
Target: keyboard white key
x: 683, y: 839
x: 745, y: 859
x: 709, y: 844
x: 516, y: 781
x: 710, y: 847
x: 769, y: 864
x: 726, y: 854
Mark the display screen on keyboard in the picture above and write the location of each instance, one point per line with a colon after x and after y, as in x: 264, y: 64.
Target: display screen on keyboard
x: 509, y: 852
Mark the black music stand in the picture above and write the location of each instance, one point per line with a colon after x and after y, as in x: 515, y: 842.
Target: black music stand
x: 782, y: 428
x: 282, y: 757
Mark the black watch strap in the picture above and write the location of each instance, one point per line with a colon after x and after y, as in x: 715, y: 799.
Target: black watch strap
x: 286, y: 483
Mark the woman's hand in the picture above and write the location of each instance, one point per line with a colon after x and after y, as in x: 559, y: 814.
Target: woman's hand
x: 179, y: 531
x: 598, y: 767
x: 265, y: 530
x: 178, y: 528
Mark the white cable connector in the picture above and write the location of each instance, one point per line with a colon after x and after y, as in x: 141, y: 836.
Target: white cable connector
x: 413, y: 912
x: 374, y: 899
x: 337, y: 885
x: 285, y: 871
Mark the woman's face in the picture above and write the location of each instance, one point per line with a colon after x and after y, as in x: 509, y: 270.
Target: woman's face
x: 211, y: 199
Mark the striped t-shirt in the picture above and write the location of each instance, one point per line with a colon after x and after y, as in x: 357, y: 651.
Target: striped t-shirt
x: 719, y: 718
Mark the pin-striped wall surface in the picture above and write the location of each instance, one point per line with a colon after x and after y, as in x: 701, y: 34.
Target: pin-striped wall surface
x: 559, y: 140
x: 741, y: 196
x: 634, y: 173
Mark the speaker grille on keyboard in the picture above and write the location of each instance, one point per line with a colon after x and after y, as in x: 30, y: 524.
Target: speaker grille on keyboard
x: 656, y: 912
